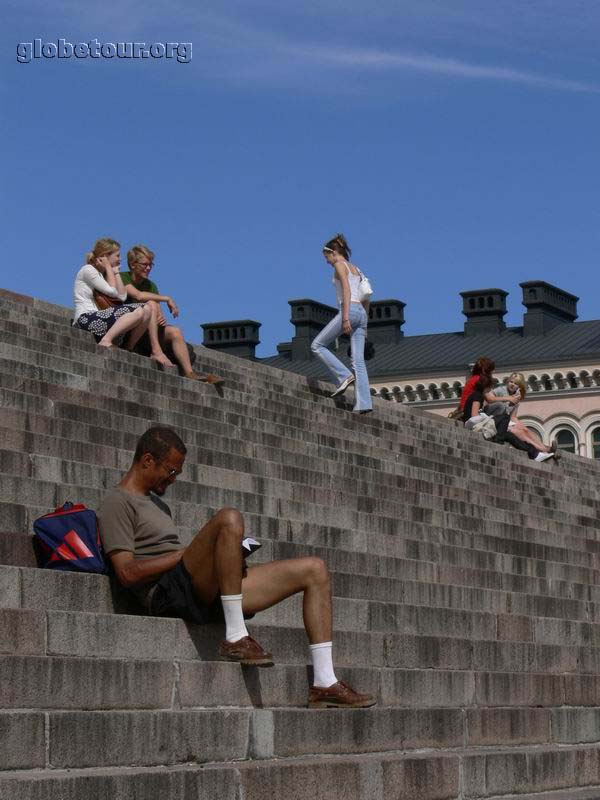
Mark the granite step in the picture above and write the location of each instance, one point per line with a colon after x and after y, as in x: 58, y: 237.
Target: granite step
x: 193, y: 502
x: 156, y: 737
x: 36, y: 480
x: 474, y: 441
x: 104, y: 635
x: 454, y: 549
x: 273, y: 407
x: 97, y: 417
x: 35, y: 589
x: 209, y: 354
x: 125, y: 387
x: 116, y: 683
x: 465, y: 582
x: 253, y: 370
x: 449, y: 430
x: 17, y: 550
x: 451, y: 776
x: 354, y: 480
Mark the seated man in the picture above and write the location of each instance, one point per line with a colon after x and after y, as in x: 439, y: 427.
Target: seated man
x: 160, y: 336
x: 206, y: 581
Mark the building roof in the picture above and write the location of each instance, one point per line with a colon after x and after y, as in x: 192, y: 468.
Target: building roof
x: 451, y: 352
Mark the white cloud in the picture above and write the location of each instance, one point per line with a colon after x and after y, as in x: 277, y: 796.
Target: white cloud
x: 264, y: 44
x: 382, y: 61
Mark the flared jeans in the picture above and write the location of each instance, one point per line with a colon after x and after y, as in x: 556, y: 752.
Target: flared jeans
x: 340, y: 372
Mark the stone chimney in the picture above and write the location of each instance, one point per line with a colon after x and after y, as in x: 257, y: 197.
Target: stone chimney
x: 547, y: 306
x: 386, y: 318
x: 308, y: 317
x: 484, y: 310
x: 238, y: 337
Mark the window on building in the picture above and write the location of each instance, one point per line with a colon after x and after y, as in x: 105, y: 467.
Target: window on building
x: 566, y: 441
x: 596, y: 443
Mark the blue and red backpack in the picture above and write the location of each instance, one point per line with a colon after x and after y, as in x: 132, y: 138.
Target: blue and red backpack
x: 69, y: 539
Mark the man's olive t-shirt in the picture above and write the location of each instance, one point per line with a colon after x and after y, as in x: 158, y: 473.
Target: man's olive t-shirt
x: 145, y: 285
x: 142, y: 525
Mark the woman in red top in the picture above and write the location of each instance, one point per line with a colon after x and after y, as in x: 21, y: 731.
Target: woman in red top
x: 483, y: 366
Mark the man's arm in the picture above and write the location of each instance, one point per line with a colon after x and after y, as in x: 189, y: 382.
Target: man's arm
x: 132, y: 571
x: 145, y: 297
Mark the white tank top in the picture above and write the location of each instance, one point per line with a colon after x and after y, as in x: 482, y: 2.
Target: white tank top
x: 353, y: 280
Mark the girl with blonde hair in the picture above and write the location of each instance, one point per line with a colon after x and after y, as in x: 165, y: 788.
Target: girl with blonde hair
x: 515, y: 392
x: 101, y: 274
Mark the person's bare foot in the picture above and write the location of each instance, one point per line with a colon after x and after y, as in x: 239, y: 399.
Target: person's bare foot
x: 162, y: 360
x: 107, y: 345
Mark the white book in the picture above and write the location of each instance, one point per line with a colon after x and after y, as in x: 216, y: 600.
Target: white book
x: 249, y: 546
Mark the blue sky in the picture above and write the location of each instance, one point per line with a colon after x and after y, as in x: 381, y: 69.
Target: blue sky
x: 454, y: 143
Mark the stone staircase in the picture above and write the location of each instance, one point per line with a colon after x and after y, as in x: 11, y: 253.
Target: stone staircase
x: 465, y: 582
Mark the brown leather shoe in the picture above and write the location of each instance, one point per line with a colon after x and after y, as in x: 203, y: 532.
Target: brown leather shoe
x: 245, y: 651
x: 214, y: 379
x: 340, y: 695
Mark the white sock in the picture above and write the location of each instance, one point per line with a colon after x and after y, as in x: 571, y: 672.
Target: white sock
x: 323, y: 674
x: 235, y: 627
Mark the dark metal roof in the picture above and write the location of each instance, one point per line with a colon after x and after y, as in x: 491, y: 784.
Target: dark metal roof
x: 452, y: 352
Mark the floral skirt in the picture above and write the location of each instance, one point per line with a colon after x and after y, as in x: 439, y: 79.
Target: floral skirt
x: 100, y: 322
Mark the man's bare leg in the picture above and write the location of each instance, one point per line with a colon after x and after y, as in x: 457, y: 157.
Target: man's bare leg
x: 157, y: 353
x: 214, y: 560
x: 214, y: 557
x: 175, y: 338
x: 269, y: 584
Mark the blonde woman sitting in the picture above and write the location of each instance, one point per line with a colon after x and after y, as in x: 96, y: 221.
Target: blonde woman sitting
x: 100, y: 274
x: 506, y: 399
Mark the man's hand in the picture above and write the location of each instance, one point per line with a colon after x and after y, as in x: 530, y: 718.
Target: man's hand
x: 172, y: 308
x: 161, y: 319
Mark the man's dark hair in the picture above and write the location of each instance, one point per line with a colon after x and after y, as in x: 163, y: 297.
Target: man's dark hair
x: 157, y: 441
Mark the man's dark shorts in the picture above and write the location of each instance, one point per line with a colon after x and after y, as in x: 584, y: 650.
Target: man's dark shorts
x: 174, y: 596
